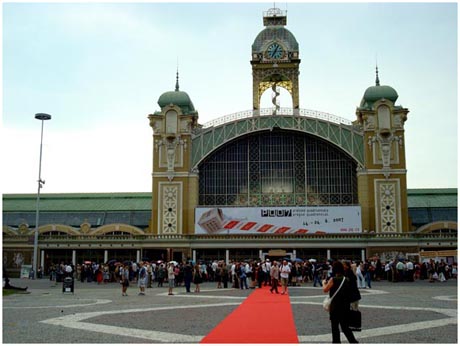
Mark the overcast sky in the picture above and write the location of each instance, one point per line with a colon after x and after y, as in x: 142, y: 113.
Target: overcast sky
x: 99, y: 70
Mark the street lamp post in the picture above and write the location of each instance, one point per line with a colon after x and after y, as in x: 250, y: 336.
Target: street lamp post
x: 42, y: 117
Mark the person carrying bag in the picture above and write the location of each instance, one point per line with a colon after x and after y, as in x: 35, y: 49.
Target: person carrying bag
x: 328, y: 300
x: 338, y: 288
x: 354, y: 314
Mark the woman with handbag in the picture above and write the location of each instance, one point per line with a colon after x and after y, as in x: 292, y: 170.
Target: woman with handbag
x: 339, y: 291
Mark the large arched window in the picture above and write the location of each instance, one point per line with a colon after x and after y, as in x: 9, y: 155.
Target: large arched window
x: 275, y: 168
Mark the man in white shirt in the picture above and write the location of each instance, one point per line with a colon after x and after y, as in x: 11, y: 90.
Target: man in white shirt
x: 234, y: 279
x: 410, y: 271
x: 68, y: 270
x: 267, y: 277
x: 284, y: 274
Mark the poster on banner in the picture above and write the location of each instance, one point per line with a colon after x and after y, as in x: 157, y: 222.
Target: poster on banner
x: 278, y: 220
x: 25, y: 271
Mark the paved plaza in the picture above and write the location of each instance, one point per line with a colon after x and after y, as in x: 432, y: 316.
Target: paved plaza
x: 407, y: 312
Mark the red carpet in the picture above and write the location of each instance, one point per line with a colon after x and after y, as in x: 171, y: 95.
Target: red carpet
x: 263, y: 318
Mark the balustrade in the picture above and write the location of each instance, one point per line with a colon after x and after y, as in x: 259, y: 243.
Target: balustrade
x: 282, y: 111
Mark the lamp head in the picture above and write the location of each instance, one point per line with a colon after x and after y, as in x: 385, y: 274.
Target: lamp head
x: 42, y: 116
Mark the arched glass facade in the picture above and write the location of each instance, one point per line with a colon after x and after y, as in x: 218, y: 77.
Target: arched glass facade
x: 274, y: 168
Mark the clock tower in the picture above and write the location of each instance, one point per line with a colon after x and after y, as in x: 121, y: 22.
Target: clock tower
x: 275, y: 60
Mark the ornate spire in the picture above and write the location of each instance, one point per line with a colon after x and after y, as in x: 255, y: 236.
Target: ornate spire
x: 377, y: 80
x: 177, y: 79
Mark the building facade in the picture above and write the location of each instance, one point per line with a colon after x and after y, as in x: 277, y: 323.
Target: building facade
x: 264, y: 182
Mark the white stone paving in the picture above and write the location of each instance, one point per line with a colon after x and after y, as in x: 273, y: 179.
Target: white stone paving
x: 76, y: 321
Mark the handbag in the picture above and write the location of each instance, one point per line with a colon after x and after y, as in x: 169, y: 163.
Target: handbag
x: 354, y: 320
x: 328, y: 300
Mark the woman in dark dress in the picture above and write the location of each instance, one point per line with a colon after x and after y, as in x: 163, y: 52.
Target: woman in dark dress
x: 197, y: 278
x: 340, y: 305
x: 225, y: 275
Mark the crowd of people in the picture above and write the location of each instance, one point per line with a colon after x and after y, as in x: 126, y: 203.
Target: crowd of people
x: 251, y: 273
x: 342, y: 280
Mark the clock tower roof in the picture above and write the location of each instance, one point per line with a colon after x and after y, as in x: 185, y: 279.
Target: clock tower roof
x: 275, y: 33
x: 274, y: 21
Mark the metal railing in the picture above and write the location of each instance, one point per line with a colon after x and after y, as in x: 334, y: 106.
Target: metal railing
x: 282, y: 111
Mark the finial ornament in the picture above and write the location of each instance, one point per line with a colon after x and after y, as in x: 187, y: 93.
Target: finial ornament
x: 377, y: 80
x: 177, y: 79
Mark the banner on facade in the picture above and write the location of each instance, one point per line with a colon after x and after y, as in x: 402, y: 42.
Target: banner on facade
x: 278, y: 220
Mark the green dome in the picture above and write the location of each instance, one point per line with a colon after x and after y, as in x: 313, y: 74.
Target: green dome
x: 177, y: 98
x: 378, y: 92
x: 278, y: 33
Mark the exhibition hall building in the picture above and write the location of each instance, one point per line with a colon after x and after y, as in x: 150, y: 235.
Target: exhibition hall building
x: 264, y: 183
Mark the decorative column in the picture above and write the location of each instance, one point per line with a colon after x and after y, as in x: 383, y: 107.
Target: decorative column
x: 74, y: 257
x: 42, y: 259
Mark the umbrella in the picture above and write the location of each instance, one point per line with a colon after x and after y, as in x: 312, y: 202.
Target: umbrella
x: 173, y: 262
x: 127, y: 262
x: 117, y: 264
x: 159, y: 261
x: 312, y: 260
x: 87, y: 262
x: 112, y: 261
x: 299, y: 260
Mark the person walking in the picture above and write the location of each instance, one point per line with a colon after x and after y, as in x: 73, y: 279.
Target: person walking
x: 355, y: 295
x: 225, y: 275
x: 161, y: 275
x: 124, y: 279
x: 243, y: 276
x: 218, y: 275
x: 188, y: 276
x: 268, y: 265
x: 171, y: 278
x: 149, y: 275
x: 197, y: 278
x: 339, y: 287
x: 367, y: 273
x: 142, y: 281
x: 359, y: 274
x: 260, y: 275
x: 274, y: 274
x: 285, y: 270
x: 317, y: 271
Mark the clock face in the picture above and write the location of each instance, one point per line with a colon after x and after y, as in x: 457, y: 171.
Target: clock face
x: 275, y: 51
